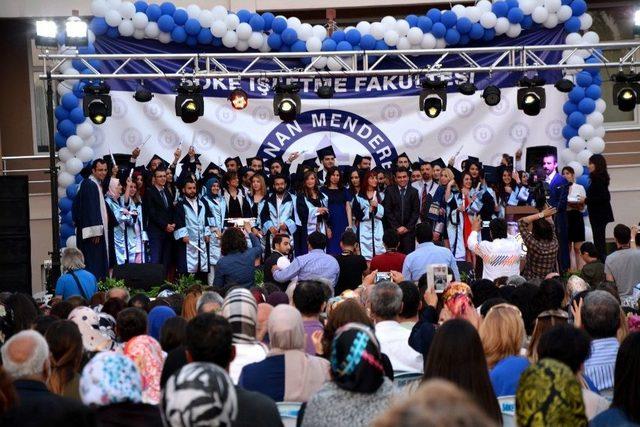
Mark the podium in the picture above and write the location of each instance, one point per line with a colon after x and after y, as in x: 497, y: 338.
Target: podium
x: 514, y: 213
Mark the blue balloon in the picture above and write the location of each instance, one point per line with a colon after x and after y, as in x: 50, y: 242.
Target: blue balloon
x: 584, y: 79
x: 329, y: 45
x: 77, y: 115
x: 434, y: 14
x: 180, y: 16
x: 153, y: 12
x: 205, y: 36
x: 587, y: 106
x: 338, y: 36
x: 61, y: 113
x: 464, y: 25
x: 289, y: 36
x: 593, y: 92
x: 412, y: 20
x: 299, y: 46
x: 489, y: 34
x: 66, y: 230
x: 167, y: 8
x: 257, y: 23
x: 597, y: 80
x: 477, y: 31
x: 179, y: 35
x: 166, y: 23
x: 576, y: 119
x: 572, y: 25
x: 569, y: 107
x: 192, y: 27
x: 576, y: 94
x: 65, y: 204
x: 141, y: 6
x: 452, y: 37
x: 425, y: 24
x: 99, y: 26
x: 578, y: 7
x: 217, y: 41
x: 69, y: 101
x: 527, y: 22
x: 274, y: 41
x: 66, y: 128
x: 60, y: 140
x: 285, y: 48
x: 500, y: 8
x: 368, y: 42
x: 191, y: 41
x: 78, y: 64
x: 344, y: 46
x: 569, y: 132
x: 381, y: 45
x: 113, y: 33
x: 593, y: 71
x: 89, y: 49
x: 448, y: 18
x: 72, y: 190
x: 353, y: 37
x: 584, y: 180
x: 512, y: 3
x: 515, y: 15
x: 438, y: 30
x: 279, y: 24
x: 244, y: 15
x: 79, y: 179
x: 68, y: 217
x: 464, y: 39
x: 267, y: 17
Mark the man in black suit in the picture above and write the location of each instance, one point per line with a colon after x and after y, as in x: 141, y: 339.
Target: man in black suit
x: 402, y: 208
x: 158, y: 213
x: 281, y: 248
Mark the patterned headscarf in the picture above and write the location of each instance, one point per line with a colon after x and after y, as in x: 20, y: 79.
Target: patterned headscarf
x: 88, y: 322
x: 456, y: 288
x: 147, y: 354
x: 240, y: 309
x: 157, y: 316
x: 199, y: 394
x: 549, y: 395
x: 110, y: 378
x: 355, y: 359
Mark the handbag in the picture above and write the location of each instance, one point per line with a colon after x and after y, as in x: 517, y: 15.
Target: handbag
x: 75, y: 278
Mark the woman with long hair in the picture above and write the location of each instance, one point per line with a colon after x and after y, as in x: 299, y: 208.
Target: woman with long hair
x: 215, y: 206
x: 506, y: 190
x: 575, y: 220
x: 135, y: 236
x: 456, y: 355
x: 170, y: 186
x: 467, y: 195
x: 340, y: 217
x: 354, y: 182
x: 312, y: 207
x: 598, y: 202
x: 235, y: 201
x: 257, y: 202
x: 369, y: 212
x: 65, y: 345
x: 454, y: 215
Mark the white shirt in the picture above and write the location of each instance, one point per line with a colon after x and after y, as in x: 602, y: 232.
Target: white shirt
x: 394, y: 342
x: 279, y: 201
x: 194, y: 204
x: 245, y: 354
x: 419, y: 185
x: 576, y: 190
x: 550, y: 177
x: 501, y: 257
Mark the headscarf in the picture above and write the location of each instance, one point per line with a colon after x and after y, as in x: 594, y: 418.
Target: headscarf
x: 113, y: 188
x: 157, y: 316
x: 110, y: 378
x: 240, y: 309
x: 303, y: 374
x: 549, y: 395
x: 207, y: 185
x: 199, y: 394
x: 356, y: 362
x: 147, y: 354
x: 88, y: 322
x: 264, y: 311
x: 457, y: 297
x: 277, y: 298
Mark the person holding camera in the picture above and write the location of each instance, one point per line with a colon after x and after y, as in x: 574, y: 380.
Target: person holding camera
x: 541, y: 243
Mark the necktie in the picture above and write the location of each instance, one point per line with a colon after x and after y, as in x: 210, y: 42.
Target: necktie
x: 164, y: 198
x: 423, y: 203
x: 402, y: 191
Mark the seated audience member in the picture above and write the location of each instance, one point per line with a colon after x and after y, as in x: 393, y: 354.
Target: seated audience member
x: 623, y: 266
x: 76, y: 280
x: 241, y: 311
x: 385, y: 304
x: 541, y: 243
x: 209, y: 302
x: 25, y: 358
x: 8, y: 396
x: 435, y: 403
x: 264, y: 311
x: 61, y: 309
x: 65, y: 345
x: 424, y: 329
x: 237, y: 264
x: 524, y: 297
x: 190, y: 301
x: 288, y: 373
x: 111, y: 386
x: 593, y: 269
x: 157, y: 318
x: 358, y: 390
x: 120, y: 293
x: 549, y: 394
x: 140, y: 301
x: 483, y: 290
x: 600, y: 317
x: 415, y: 264
x: 575, y: 285
x: 570, y: 345
x: 544, y: 322
x: 147, y: 354
x: 173, y: 333
x: 94, y: 338
x: 130, y: 323
x: 502, y: 334
x: 44, y: 322
x: 21, y: 312
x: 309, y: 299
x: 551, y: 295
x: 456, y: 355
x: 411, y: 299
x: 314, y: 265
x: 276, y: 298
x: 624, y: 410
x: 392, y: 259
x: 352, y: 265
x: 501, y: 254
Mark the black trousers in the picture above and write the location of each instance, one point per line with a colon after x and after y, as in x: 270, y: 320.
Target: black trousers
x: 599, y: 239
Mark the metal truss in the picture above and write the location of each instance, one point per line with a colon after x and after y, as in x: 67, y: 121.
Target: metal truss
x: 362, y: 63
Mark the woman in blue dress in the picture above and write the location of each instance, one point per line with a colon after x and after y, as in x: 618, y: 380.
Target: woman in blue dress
x: 369, y: 212
x: 339, y: 208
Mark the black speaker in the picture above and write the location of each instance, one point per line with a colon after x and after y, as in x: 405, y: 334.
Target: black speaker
x: 15, y: 237
x: 536, y: 154
x: 140, y: 276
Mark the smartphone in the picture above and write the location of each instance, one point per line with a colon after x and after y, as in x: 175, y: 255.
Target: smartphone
x: 383, y: 277
x: 437, y: 276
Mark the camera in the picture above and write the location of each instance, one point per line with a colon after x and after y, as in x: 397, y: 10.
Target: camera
x: 383, y: 277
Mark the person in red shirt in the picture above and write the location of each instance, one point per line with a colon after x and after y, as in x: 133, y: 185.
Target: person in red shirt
x: 391, y: 260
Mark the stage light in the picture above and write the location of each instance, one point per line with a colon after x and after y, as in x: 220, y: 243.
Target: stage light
x: 76, y: 32
x: 433, y: 98
x: 325, y: 92
x: 142, y: 94
x: 467, y: 88
x: 189, y: 102
x: 531, y: 96
x: 46, y: 32
x: 96, y: 103
x: 626, y: 91
x: 564, y: 85
x: 636, y: 23
x: 491, y: 95
x: 286, y: 102
x: 239, y: 99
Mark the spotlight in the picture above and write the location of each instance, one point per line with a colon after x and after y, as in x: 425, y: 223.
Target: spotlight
x: 531, y: 96
x: 46, y: 31
x: 142, y: 94
x: 433, y: 98
x: 189, y: 102
x: 626, y: 91
x: 325, y: 92
x: 239, y: 99
x: 467, y: 88
x: 636, y: 23
x: 564, y: 85
x: 286, y: 102
x: 96, y: 103
x: 491, y: 95
x: 76, y: 32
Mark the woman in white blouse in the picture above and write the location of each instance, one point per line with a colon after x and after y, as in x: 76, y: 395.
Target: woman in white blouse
x: 575, y: 209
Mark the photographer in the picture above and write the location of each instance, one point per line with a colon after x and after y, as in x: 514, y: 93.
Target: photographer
x: 541, y: 243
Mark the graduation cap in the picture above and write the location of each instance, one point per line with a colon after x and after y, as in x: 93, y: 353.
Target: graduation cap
x: 415, y: 166
x: 86, y: 171
x: 492, y: 174
x: 120, y: 158
x: 310, y: 163
x: 358, y: 159
x: 326, y: 151
x: 269, y: 162
x: 187, y: 159
x: 212, y: 167
x: 164, y: 163
x: 405, y: 155
x: 439, y: 162
x: 250, y: 159
x: 236, y: 158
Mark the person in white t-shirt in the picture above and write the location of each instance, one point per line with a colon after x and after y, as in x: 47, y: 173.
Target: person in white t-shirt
x: 575, y: 218
x: 500, y: 256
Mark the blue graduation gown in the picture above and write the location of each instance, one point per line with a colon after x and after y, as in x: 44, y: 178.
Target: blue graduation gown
x: 271, y: 216
x: 89, y: 221
x: 191, y: 224
x: 370, y: 227
x: 455, y: 226
x: 215, y: 214
x: 119, y: 218
x: 308, y: 220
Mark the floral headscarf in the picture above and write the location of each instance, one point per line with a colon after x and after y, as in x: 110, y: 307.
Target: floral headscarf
x: 110, y: 378
x: 147, y: 354
x: 88, y: 322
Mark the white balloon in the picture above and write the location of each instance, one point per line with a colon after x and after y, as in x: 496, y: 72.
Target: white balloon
x: 230, y: 39
x: 113, y: 4
x: 415, y: 35
x: 577, y: 167
x: 583, y: 157
x: 403, y: 44
x: 264, y: 47
x: 459, y: 10
x: 539, y: 15
x: 488, y: 20
x: 85, y: 129
x: 573, y: 39
x: 152, y: 31
x: 63, y: 88
x: 441, y: 43
x: 71, y: 242
x: 564, y: 13
x: 595, y: 119
x: 218, y: 28
x: 256, y: 40
x: 390, y: 38
x: 64, y: 154
x: 577, y: 144
x: 219, y: 12
x: 528, y: 6
x: 552, y: 5
x: 193, y: 11
x: 91, y: 141
x: 113, y: 18
x: 473, y: 13
x: 586, y: 21
x: 206, y: 18
x: 62, y: 192
x: 73, y: 165
x: 85, y: 154
x: 232, y: 21
x: 574, y: 60
x: 484, y: 5
x: 402, y: 27
x: 599, y: 132
x: 138, y: 34
x: 164, y: 37
x: 514, y: 30
x: 590, y: 37
x: 305, y: 32
x: 377, y: 30
x: 244, y: 31
x: 140, y: 20
x: 388, y: 22
x: 127, y: 9
x: 65, y: 179
x: 126, y: 28
x: 551, y: 22
x: 99, y: 8
x: 586, y: 131
x: 363, y: 27
x: 333, y: 65
x: 601, y: 105
x: 596, y: 145
x: 74, y: 143
x: 566, y: 155
x: 428, y: 41
x: 242, y: 45
x: 320, y: 32
x: 91, y: 38
x: 314, y: 44
x: 502, y: 26
x: 294, y: 22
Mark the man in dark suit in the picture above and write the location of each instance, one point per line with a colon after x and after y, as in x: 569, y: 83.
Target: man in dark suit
x: 558, y: 192
x: 281, y: 248
x: 158, y: 212
x: 401, y: 208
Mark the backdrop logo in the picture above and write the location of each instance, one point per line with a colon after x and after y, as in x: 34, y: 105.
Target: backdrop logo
x: 349, y: 124
x: 447, y: 136
x: 519, y: 131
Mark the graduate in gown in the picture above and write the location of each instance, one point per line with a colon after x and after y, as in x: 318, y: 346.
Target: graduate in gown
x: 192, y: 232
x: 235, y: 198
x: 258, y: 203
x: 136, y: 235
x: 312, y: 212
x: 453, y: 211
x: 119, y: 218
x: 369, y: 212
x: 340, y: 217
x: 215, y: 210
x: 91, y: 220
x: 278, y: 216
